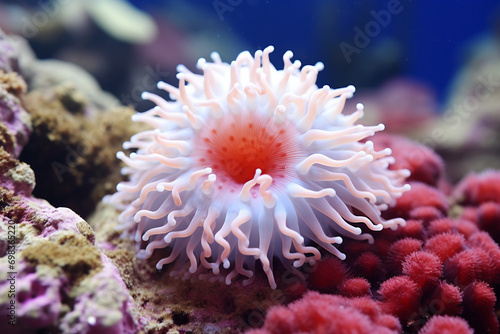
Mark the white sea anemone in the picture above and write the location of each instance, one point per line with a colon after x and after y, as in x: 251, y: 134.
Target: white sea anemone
x: 248, y: 163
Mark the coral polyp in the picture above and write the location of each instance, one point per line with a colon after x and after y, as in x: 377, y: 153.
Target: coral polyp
x: 246, y: 163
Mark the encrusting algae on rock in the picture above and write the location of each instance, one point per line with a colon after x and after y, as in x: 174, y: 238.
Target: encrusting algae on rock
x: 69, y: 133
x: 52, y: 276
x: 50, y: 254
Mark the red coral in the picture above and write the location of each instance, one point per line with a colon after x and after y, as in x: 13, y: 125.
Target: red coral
x: 369, y: 266
x: 447, y: 224
x: 398, y: 251
x: 328, y: 274
x: 479, y: 296
x: 382, y: 245
x: 420, y: 195
x: 442, y: 324
x: 469, y: 213
x: 355, y: 287
x: 467, y: 266
x: 432, y: 270
x: 479, y: 302
x: 439, y: 226
x: 318, y: 313
x: 488, y: 219
x: 425, y: 213
x: 479, y: 188
x: 445, y: 245
x: 423, y: 268
x: 425, y: 165
x: 389, y: 321
x: 400, y: 297
x: 446, y: 299
x: 484, y: 241
x: 359, y: 247
x: 466, y: 227
x: 292, y: 286
x: 413, y: 229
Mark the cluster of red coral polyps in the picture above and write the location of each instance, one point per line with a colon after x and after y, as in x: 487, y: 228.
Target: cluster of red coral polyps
x: 438, y: 274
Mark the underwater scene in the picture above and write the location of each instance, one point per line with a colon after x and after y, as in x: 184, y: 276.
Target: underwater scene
x: 249, y: 166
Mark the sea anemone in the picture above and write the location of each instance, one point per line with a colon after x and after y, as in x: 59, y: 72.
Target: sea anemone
x: 247, y: 163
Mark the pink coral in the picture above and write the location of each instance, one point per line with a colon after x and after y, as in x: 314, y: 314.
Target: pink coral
x: 398, y: 252
x: 446, y: 299
x: 488, y: 218
x: 13, y: 118
x: 328, y: 274
x: 424, y: 268
x: 445, y: 245
x: 479, y: 302
x: 425, y: 213
x: 479, y: 188
x: 369, y: 265
x: 399, y: 296
x: 355, y: 287
x: 439, y: 226
x: 423, y: 163
x: 63, y: 283
x: 420, y: 195
x: 447, y: 224
x: 414, y: 229
x: 38, y: 301
x: 432, y: 270
x: 466, y: 227
x: 467, y: 266
x: 317, y: 313
x: 446, y: 325
x: 484, y: 241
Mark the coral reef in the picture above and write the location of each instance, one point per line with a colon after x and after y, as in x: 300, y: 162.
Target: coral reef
x: 423, y: 164
x: 439, y: 273
x: 52, y: 274
x: 69, y: 134
x: 15, y: 125
x: 66, y: 127
x: 317, y: 313
x: 446, y: 325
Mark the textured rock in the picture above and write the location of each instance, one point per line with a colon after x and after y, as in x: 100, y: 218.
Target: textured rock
x: 52, y: 276
x: 66, y: 149
x: 15, y: 122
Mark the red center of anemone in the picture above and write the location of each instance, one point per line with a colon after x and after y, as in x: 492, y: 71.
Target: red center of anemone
x: 235, y: 146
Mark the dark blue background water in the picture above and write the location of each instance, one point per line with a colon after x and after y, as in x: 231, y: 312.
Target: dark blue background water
x: 426, y: 41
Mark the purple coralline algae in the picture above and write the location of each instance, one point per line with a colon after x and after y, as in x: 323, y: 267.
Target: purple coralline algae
x: 12, y: 114
x: 52, y: 274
